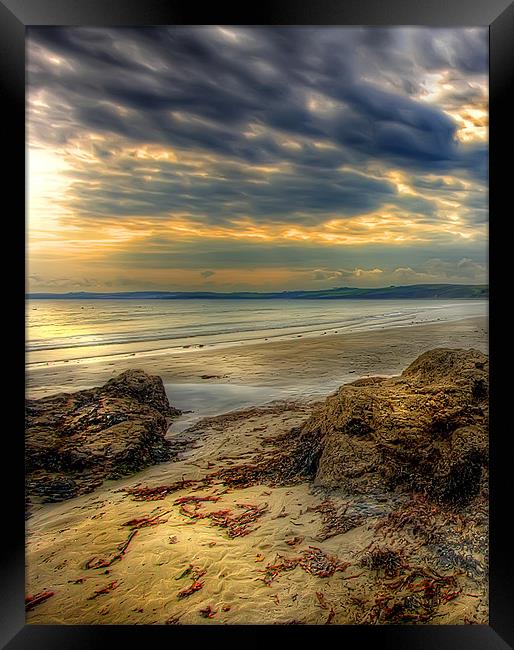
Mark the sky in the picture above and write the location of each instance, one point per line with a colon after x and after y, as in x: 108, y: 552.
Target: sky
x: 227, y: 158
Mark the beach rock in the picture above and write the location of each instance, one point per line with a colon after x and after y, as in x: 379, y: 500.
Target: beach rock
x: 147, y: 389
x: 74, y: 441
x: 425, y: 430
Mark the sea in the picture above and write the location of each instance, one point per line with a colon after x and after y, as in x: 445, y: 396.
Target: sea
x: 65, y: 330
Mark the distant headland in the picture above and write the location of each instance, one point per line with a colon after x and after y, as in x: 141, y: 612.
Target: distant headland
x: 413, y: 291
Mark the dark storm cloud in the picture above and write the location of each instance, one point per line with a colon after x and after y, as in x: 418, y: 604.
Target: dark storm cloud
x: 466, y: 51
x: 261, y: 76
x: 233, y: 193
x: 294, y: 126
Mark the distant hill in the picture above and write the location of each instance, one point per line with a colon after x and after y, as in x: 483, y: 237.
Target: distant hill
x: 415, y: 291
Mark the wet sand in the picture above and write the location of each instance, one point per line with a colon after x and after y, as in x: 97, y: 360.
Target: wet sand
x: 309, y: 365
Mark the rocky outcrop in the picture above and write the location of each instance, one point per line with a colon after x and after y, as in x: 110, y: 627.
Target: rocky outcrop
x: 143, y: 388
x: 425, y: 430
x: 73, y: 441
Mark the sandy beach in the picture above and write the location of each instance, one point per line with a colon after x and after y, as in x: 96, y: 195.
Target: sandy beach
x: 307, y: 365
x: 119, y: 556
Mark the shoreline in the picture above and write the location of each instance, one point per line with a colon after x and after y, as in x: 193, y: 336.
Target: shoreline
x: 162, y: 344
x: 323, y: 361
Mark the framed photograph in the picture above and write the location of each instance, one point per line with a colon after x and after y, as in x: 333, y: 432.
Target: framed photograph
x: 254, y: 389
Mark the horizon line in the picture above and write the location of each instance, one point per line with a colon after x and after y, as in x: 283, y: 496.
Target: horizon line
x: 247, y: 291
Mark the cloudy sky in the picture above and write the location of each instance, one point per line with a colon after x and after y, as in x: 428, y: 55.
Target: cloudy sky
x: 225, y: 158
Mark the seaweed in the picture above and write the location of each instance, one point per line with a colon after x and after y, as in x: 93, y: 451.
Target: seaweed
x: 313, y: 560
x: 104, y: 590
x: 419, y: 515
x: 331, y: 615
x: 173, y: 620
x: 321, y: 600
x: 95, y: 563
x: 195, y: 572
x: 190, y: 505
x: 413, y: 597
x: 335, y: 522
x: 294, y: 460
x: 318, y: 563
x: 238, y: 525
x: 195, y: 586
x: 208, y: 612
x: 32, y: 601
x: 148, y: 520
x: 386, y: 560
x: 162, y: 491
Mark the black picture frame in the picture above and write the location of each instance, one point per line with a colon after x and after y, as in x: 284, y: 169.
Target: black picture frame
x: 15, y: 16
